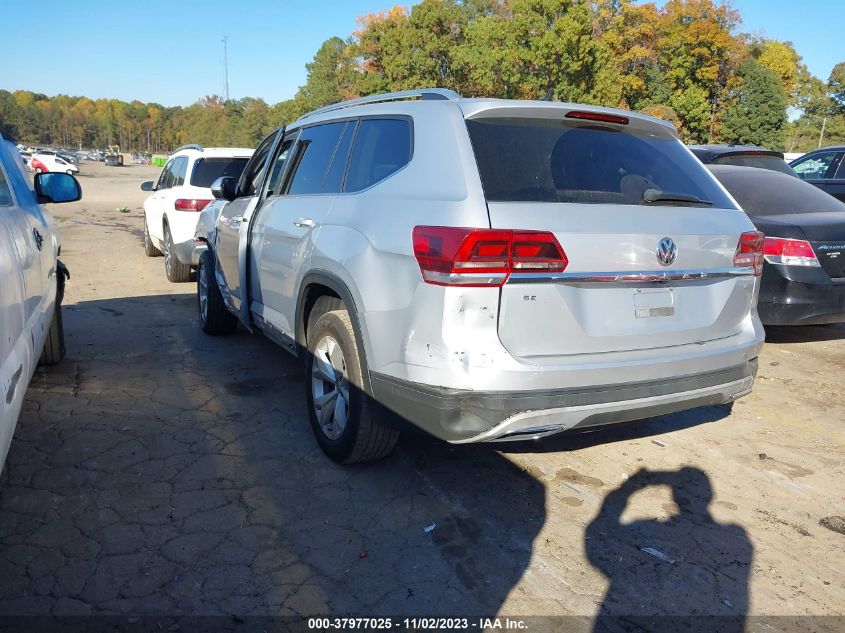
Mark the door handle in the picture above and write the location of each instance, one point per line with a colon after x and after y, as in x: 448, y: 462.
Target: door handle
x: 39, y: 239
x: 236, y: 221
x: 304, y: 222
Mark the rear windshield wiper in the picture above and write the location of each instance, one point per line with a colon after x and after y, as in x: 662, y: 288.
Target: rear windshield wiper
x: 656, y: 196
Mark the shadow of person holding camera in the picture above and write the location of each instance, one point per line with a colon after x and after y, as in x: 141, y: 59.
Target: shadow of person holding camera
x: 684, y: 573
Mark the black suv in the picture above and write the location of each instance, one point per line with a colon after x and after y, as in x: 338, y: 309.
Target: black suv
x: 824, y: 168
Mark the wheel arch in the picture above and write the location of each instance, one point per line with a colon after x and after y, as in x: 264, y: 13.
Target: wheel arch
x: 318, y: 284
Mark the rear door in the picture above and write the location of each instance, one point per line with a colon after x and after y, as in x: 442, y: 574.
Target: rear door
x: 290, y: 218
x: 627, y: 202
x: 836, y: 186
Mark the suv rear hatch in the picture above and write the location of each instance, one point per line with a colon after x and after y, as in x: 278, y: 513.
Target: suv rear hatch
x: 610, y: 188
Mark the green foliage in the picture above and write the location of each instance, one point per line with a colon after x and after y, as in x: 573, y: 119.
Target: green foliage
x: 836, y: 85
x: 756, y: 113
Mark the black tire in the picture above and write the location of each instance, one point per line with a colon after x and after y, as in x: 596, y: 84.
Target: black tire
x: 54, y: 345
x: 363, y: 436
x: 149, y: 248
x: 215, y: 319
x: 176, y: 271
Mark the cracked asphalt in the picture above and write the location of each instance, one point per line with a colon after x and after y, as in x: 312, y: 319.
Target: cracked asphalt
x: 158, y: 471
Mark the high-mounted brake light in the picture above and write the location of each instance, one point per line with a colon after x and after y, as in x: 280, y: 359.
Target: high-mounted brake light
x: 190, y: 204
x: 779, y: 250
x: 453, y: 256
x: 597, y: 116
x: 749, y: 252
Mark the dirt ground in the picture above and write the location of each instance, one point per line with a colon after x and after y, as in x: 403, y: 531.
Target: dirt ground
x: 159, y: 471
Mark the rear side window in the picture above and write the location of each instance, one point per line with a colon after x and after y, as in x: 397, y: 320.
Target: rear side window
x: 763, y: 161
x: 548, y: 160
x: 382, y: 147
x: 317, y: 147
x: 207, y: 170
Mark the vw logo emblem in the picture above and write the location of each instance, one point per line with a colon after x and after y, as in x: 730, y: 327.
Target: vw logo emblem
x: 667, y: 251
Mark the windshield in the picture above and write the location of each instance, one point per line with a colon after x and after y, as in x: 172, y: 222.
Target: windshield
x: 207, y: 170
x: 546, y: 160
x: 763, y: 161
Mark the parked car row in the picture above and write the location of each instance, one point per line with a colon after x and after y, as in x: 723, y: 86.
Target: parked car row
x: 425, y: 279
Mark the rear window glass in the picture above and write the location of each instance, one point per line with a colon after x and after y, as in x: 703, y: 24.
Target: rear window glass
x: 762, y: 161
x: 382, y: 147
x: 762, y: 193
x: 547, y: 160
x: 207, y: 170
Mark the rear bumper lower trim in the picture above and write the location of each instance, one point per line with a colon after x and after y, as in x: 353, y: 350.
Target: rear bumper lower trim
x: 462, y: 416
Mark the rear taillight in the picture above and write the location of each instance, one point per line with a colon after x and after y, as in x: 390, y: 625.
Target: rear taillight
x: 452, y: 256
x: 190, y: 204
x: 749, y: 252
x: 779, y: 250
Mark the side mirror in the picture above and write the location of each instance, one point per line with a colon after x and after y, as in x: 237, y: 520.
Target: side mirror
x: 148, y: 185
x: 223, y: 188
x: 57, y: 187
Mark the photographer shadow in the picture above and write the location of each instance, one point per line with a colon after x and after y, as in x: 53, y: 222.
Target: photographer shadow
x: 685, y: 573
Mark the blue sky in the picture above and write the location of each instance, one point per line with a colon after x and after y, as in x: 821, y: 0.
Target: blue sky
x: 170, y: 52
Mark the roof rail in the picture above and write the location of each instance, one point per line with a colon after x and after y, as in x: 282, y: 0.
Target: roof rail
x: 188, y: 146
x: 426, y: 94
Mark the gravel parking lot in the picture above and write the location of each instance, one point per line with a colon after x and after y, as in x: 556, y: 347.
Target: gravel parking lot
x: 160, y: 471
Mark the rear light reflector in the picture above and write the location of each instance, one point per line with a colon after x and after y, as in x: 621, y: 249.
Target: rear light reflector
x: 453, y: 256
x: 190, y: 204
x: 597, y: 116
x: 749, y: 252
x: 779, y: 250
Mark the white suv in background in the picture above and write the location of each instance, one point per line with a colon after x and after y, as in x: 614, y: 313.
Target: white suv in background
x: 178, y: 196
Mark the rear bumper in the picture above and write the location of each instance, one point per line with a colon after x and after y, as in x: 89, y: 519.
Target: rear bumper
x: 460, y: 416
x: 791, y: 295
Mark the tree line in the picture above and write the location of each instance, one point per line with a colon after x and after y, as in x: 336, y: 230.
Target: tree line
x: 685, y: 61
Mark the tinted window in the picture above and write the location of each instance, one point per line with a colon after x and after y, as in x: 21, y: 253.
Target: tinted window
x: 165, y: 180
x: 756, y: 160
x: 333, y: 181
x: 207, y: 170
x: 5, y: 192
x: 316, y: 148
x: 546, y: 160
x: 762, y: 192
x: 279, y: 167
x: 255, y: 167
x: 180, y: 166
x: 382, y: 147
x: 814, y: 166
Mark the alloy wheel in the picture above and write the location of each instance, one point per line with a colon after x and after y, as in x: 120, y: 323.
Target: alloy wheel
x: 202, y: 293
x: 330, y: 387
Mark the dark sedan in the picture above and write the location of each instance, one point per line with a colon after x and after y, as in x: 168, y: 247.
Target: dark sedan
x: 804, y: 272
x: 742, y: 156
x: 824, y: 168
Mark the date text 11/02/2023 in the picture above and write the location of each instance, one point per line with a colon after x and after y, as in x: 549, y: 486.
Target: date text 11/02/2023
x: 423, y: 623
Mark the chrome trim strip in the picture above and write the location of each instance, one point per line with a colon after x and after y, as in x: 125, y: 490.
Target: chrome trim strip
x: 625, y: 277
